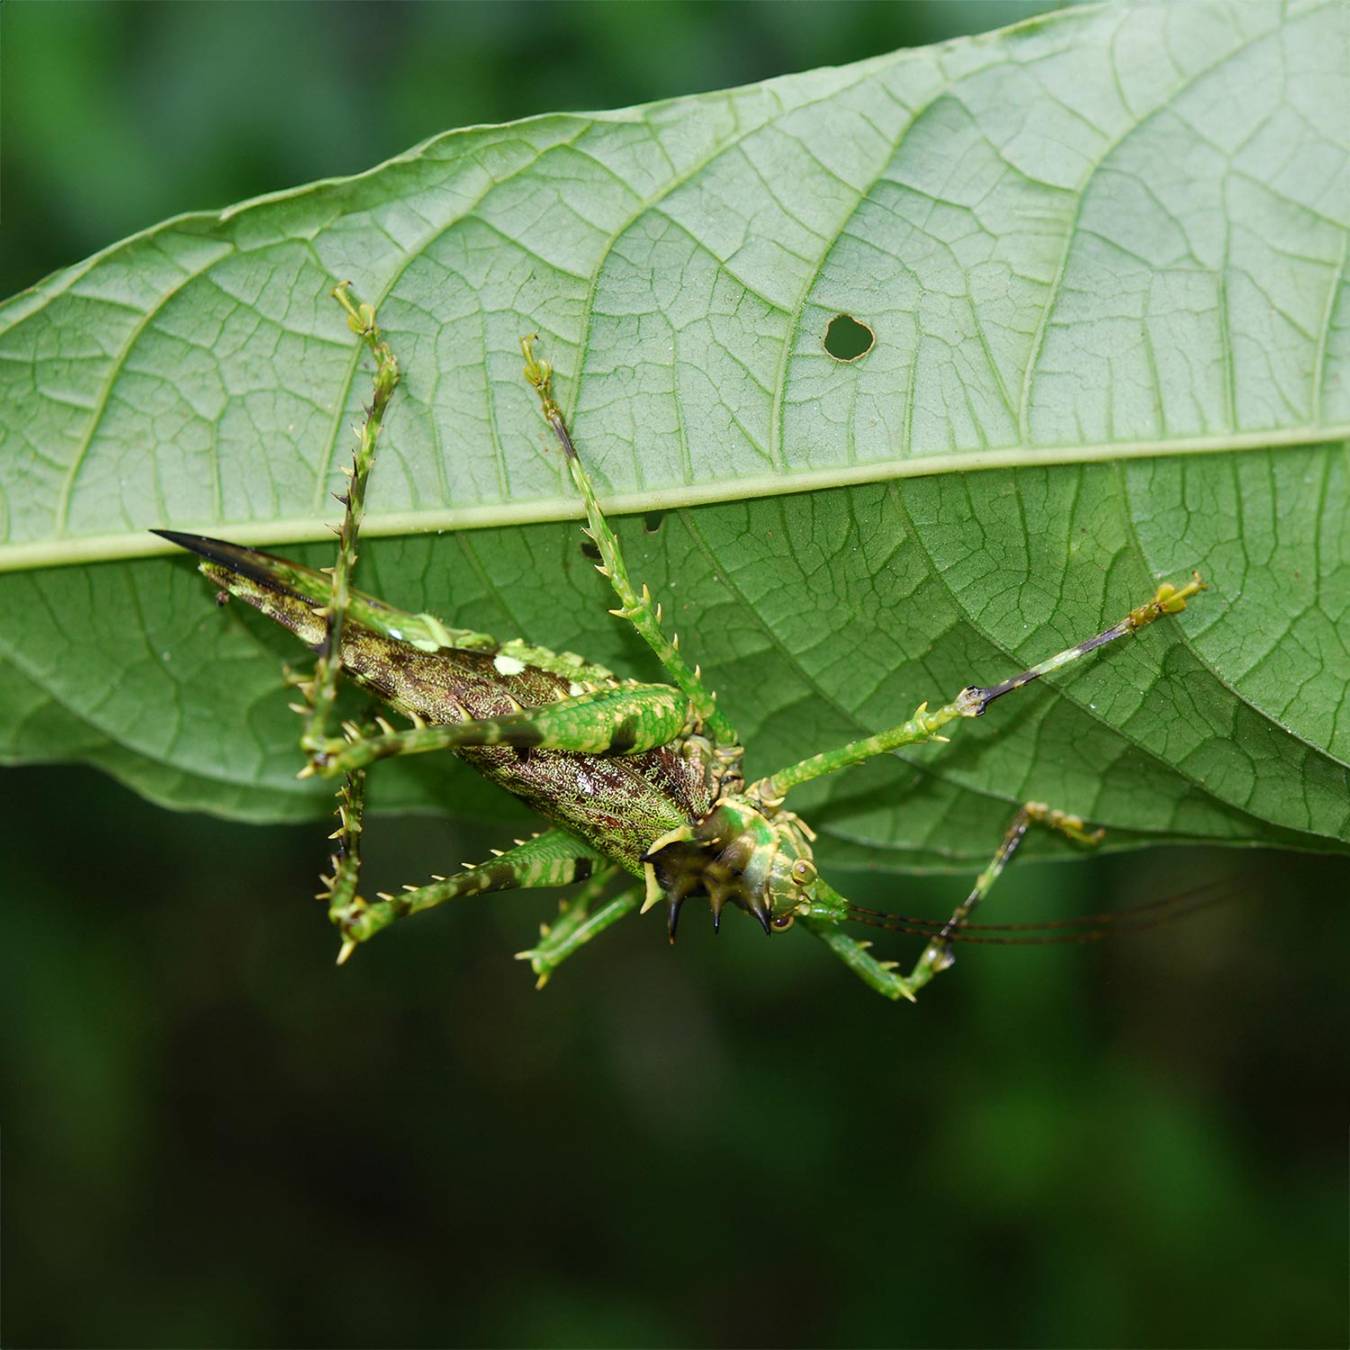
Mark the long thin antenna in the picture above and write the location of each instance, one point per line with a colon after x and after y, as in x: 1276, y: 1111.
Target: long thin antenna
x: 1100, y: 918
x: 1080, y: 928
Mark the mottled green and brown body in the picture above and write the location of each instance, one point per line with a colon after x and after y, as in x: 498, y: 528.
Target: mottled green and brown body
x: 615, y: 800
x: 638, y: 778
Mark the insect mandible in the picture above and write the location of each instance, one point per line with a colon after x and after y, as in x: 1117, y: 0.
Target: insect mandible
x: 635, y: 778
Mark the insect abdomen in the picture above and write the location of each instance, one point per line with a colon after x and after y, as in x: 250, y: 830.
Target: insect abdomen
x: 618, y: 804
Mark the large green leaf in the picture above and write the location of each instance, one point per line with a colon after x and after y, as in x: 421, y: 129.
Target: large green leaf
x: 1103, y: 256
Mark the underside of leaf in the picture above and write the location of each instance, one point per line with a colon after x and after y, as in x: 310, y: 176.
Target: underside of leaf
x: 1101, y: 260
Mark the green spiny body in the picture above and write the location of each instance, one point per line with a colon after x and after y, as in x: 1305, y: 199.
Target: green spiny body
x: 637, y: 778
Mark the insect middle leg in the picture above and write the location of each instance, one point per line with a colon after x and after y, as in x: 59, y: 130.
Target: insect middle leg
x: 637, y: 607
x: 553, y: 858
x: 576, y: 925
x: 831, y: 909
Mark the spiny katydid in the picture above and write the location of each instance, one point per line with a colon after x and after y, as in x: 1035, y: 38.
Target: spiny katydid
x: 634, y: 778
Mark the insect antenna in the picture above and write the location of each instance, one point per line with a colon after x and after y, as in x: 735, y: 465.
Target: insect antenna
x: 1046, y: 932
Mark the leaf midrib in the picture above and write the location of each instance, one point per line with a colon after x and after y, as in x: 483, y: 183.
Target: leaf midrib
x: 140, y: 543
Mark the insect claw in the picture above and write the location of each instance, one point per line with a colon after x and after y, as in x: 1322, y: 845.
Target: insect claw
x: 345, y: 951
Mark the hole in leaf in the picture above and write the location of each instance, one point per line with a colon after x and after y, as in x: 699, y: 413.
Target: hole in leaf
x: 848, y: 340
x: 589, y: 550
x: 653, y: 521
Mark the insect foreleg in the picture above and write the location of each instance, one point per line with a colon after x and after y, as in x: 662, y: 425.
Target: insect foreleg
x: 553, y: 858
x: 937, y: 956
x: 878, y: 975
x: 926, y: 724
x: 622, y: 721
x: 576, y: 925
x: 830, y: 908
x: 636, y: 607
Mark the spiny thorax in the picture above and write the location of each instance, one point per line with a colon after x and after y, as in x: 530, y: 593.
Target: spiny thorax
x: 735, y: 855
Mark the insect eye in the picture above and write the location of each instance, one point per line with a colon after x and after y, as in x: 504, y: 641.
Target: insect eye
x: 782, y: 922
x: 803, y: 872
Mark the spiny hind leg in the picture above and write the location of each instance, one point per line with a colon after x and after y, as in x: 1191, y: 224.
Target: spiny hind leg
x: 831, y: 909
x: 637, y: 607
x: 322, y: 691
x: 576, y: 925
x: 553, y: 858
x: 626, y: 720
x: 340, y: 887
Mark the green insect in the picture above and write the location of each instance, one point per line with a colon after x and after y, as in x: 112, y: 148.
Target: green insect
x: 642, y: 780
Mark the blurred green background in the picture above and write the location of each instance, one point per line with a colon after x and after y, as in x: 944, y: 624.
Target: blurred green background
x: 211, y: 1137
